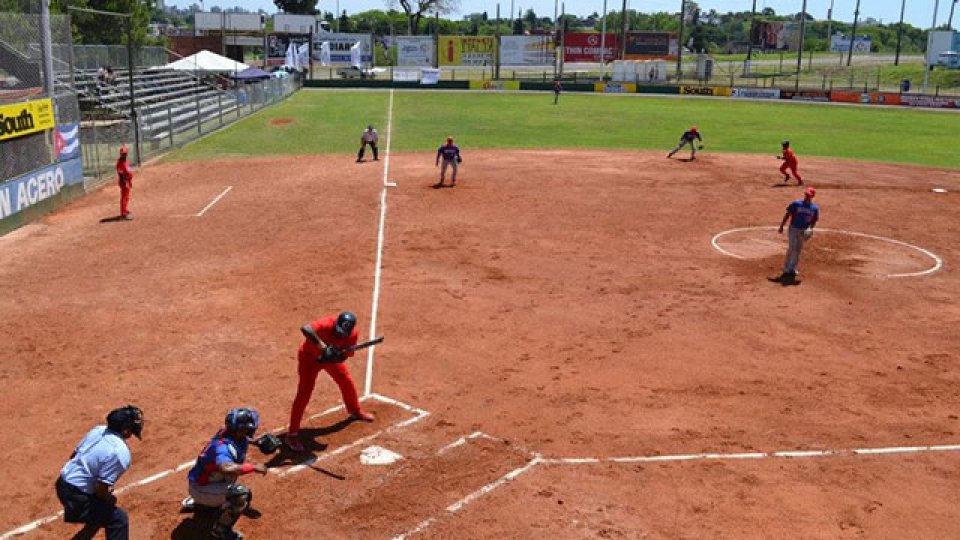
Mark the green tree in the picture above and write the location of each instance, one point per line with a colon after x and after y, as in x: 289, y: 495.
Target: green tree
x: 416, y: 9
x: 297, y: 7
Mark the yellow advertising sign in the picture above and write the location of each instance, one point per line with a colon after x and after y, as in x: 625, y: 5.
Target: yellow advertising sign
x: 615, y: 88
x: 494, y: 85
x: 25, y: 118
x: 467, y: 50
x: 705, y: 91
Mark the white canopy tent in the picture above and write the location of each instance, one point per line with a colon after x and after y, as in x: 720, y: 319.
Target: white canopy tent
x: 207, y: 61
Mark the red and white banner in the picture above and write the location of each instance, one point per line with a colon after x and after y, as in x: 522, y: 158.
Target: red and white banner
x: 584, y: 47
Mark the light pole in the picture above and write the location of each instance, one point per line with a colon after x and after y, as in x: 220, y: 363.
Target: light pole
x: 830, y: 26
x: 680, y: 42
x: 603, y: 43
x: 803, y: 26
x: 926, y: 53
x: 903, y: 7
x: 853, y: 32
x: 746, y: 63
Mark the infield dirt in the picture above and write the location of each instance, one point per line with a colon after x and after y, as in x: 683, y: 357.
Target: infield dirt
x: 568, y: 303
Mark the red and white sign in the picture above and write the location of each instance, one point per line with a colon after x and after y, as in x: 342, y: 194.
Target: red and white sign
x: 584, y: 47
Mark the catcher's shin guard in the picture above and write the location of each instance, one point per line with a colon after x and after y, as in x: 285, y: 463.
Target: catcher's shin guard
x: 238, y: 500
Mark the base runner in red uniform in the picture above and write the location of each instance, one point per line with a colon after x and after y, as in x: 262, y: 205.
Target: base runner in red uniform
x: 789, y: 162
x: 323, y: 350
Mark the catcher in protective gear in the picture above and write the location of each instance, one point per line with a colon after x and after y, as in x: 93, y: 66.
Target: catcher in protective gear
x: 213, y: 479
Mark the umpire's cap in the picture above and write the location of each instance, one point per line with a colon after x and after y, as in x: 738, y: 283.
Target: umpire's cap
x: 127, y: 417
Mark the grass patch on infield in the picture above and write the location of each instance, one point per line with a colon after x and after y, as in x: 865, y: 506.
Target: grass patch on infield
x: 331, y: 122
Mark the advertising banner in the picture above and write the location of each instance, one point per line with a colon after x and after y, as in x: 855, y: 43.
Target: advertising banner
x: 340, y: 45
x: 27, y: 190
x: 526, y: 50
x: 494, y: 85
x: 805, y: 95
x: 651, y: 46
x: 755, y: 93
x: 279, y: 44
x: 585, y: 47
x: 467, y: 50
x: 615, y: 88
x: 930, y: 101
x: 19, y: 119
x: 705, y: 90
x: 429, y: 76
x: 415, y: 51
x: 775, y: 35
x: 861, y: 44
x: 874, y: 98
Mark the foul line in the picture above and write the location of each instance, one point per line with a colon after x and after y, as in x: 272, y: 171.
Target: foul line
x: 368, y: 382
x: 938, y: 262
x: 419, y: 415
x: 539, y: 460
x: 214, y: 201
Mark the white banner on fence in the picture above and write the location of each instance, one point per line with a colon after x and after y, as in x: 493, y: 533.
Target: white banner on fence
x: 415, y: 51
x: 340, y: 45
x: 429, y: 76
x: 861, y: 44
x: 406, y: 75
x: 755, y: 93
x: 526, y: 50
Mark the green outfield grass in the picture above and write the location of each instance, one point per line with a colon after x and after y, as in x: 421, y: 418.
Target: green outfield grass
x: 331, y: 122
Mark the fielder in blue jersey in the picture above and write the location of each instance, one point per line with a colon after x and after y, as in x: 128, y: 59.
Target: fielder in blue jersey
x: 450, y: 154
x: 803, y: 216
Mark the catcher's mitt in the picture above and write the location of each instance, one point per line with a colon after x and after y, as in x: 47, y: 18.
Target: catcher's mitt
x: 268, y: 443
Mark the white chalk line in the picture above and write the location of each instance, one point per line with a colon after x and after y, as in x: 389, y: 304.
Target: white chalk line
x: 419, y: 415
x: 539, y: 460
x: 368, y: 377
x: 214, y: 201
x: 938, y: 262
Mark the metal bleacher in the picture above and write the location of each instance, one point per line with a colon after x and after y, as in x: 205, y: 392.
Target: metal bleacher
x: 167, y: 101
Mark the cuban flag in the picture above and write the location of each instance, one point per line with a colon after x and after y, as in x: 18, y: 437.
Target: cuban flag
x: 66, y: 141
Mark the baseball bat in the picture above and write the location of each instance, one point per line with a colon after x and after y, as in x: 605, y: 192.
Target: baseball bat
x: 364, y: 344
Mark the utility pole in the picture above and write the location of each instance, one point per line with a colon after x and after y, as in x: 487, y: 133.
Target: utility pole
x: 746, y: 63
x: 803, y: 26
x: 683, y: 4
x: 603, y: 43
x: 830, y: 26
x: 903, y: 7
x: 926, y: 53
x: 496, y: 58
x: 853, y: 33
x: 556, y: 36
x: 950, y: 19
x: 623, y: 31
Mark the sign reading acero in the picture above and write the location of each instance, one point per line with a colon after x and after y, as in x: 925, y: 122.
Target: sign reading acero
x: 21, y: 119
x: 25, y: 191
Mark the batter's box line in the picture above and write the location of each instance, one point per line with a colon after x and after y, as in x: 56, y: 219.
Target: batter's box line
x: 539, y: 460
x: 419, y: 414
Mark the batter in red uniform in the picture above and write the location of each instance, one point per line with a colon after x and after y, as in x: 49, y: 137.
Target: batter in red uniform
x: 789, y: 162
x: 323, y: 350
x: 125, y: 179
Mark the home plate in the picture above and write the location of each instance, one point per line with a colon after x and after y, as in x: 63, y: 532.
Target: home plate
x: 939, y: 190
x: 378, y: 455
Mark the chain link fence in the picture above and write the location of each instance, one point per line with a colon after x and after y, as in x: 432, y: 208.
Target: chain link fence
x: 24, y: 72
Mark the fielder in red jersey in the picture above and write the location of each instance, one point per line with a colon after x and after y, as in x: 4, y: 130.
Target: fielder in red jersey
x: 125, y: 179
x: 789, y: 162
x: 323, y: 350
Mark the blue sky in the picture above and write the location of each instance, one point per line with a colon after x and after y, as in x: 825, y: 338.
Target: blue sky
x: 919, y: 12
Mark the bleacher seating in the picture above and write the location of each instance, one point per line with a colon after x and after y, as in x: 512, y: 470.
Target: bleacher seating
x: 162, y: 97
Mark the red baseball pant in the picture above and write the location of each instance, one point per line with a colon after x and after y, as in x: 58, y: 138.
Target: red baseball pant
x: 124, y: 200
x: 308, y: 369
x: 793, y: 168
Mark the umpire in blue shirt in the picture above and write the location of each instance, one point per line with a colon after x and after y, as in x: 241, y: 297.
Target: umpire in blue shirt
x: 85, y: 485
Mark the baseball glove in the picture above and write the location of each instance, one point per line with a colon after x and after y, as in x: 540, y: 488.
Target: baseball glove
x: 807, y: 234
x: 268, y: 443
x: 700, y: 147
x: 459, y: 160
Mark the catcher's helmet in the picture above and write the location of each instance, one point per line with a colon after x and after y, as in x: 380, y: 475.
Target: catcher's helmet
x: 128, y: 417
x: 242, y: 420
x: 346, y: 322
